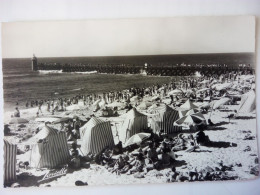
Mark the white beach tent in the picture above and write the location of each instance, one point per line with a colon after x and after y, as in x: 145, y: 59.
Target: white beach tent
x: 248, y: 102
x: 9, y: 162
x: 220, y: 102
x: 164, y: 118
x: 135, y: 122
x: 96, y: 135
x: 49, y: 149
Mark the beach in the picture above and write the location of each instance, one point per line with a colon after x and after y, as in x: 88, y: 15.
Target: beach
x: 233, y: 144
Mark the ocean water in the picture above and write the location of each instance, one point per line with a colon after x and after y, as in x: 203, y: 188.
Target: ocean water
x: 21, y: 84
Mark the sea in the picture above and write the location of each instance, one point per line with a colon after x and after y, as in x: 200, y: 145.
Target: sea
x: 21, y: 84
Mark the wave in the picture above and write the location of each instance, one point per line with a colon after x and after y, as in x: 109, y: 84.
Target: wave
x: 76, y: 89
x: 90, y: 72
x: 60, y: 71
x: 49, y: 71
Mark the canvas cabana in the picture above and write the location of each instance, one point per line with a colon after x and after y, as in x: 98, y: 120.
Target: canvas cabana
x: 135, y: 122
x: 164, y: 118
x: 96, y: 135
x: 49, y: 149
x: 9, y: 162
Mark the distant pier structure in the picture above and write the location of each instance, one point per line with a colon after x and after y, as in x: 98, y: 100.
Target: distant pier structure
x: 34, y: 63
x: 141, y: 66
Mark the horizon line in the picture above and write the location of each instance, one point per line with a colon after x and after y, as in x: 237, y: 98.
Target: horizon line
x: 129, y: 55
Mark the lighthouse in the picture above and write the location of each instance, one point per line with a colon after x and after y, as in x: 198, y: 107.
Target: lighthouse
x: 34, y: 63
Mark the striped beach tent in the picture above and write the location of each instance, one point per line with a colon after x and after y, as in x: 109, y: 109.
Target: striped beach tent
x: 9, y: 162
x: 135, y: 122
x: 96, y: 135
x: 193, y: 119
x: 49, y: 149
x: 164, y: 118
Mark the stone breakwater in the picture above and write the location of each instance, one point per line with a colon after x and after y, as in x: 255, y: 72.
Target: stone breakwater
x: 164, y: 70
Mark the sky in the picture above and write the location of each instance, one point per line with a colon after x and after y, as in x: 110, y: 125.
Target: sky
x: 117, y: 37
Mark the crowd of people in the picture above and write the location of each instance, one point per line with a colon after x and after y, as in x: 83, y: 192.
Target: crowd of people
x: 183, y: 83
x: 158, y: 151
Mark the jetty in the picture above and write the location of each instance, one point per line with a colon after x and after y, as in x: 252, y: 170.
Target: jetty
x: 147, y: 69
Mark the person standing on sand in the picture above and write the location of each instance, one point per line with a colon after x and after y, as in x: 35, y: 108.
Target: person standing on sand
x: 48, y: 105
x: 77, y: 125
x: 40, y: 108
x: 17, y: 112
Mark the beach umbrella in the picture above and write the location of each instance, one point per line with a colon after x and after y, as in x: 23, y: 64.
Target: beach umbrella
x: 18, y: 120
x: 96, y: 102
x: 247, y: 77
x: 204, y: 82
x: 175, y: 92
x: 134, y: 98
x: 40, y: 126
x: 188, y: 105
x: 151, y: 108
x: 155, y: 98
x: 62, y: 120
x: 222, y: 86
x: 193, y: 119
x: 161, y: 88
x: 137, y: 138
x: 116, y: 104
x: 206, y: 98
x: 221, y: 102
x: 147, y: 98
x: 205, y: 105
x: 202, y: 90
x: 144, y: 105
x: 102, y: 104
x: 189, y: 91
x: 183, y: 113
x: 80, y: 117
x: 234, y: 86
x: 74, y: 107
x: 191, y: 111
x: 46, y: 119
x: 213, y: 82
x: 80, y: 103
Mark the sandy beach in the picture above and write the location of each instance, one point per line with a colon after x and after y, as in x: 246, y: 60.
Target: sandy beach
x: 231, y: 147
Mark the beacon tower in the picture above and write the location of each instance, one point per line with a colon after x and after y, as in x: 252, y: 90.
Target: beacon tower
x: 34, y: 63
